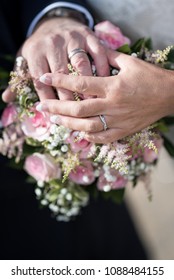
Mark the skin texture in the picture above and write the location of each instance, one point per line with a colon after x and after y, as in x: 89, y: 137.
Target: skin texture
x: 138, y: 96
x: 46, y: 50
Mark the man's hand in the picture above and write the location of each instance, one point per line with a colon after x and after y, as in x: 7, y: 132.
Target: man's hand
x: 47, y: 49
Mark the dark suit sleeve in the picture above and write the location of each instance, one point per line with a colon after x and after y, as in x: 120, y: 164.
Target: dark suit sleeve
x: 16, y: 17
x: 30, y: 9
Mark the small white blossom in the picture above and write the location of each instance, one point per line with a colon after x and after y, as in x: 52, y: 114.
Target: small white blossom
x: 63, y: 191
x: 69, y: 196
x: 44, y: 202
x: 134, y: 54
x: 38, y: 192
x: 40, y: 184
x: 107, y: 188
x: 64, y: 148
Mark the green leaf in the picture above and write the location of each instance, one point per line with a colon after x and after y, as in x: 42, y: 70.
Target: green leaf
x: 53, y: 195
x: 2, y: 104
x: 171, y: 55
x: 125, y: 49
x: 7, y: 57
x: 115, y: 195
x: 16, y: 165
x: 168, y: 120
x: 148, y: 43
x: 169, y: 146
x: 30, y: 180
x: 33, y: 142
x: 162, y: 126
x: 168, y: 65
x: 142, y: 43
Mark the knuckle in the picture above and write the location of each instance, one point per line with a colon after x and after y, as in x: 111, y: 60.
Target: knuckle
x: 60, y: 70
x: 30, y: 45
x: 77, y: 111
x: 52, y: 40
x: 81, y: 86
x: 70, y: 34
x: 80, y: 61
x: 37, y: 84
x: 57, y: 81
x: 53, y: 107
x: 86, y: 30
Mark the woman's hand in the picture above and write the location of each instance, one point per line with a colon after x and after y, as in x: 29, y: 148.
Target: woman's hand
x: 138, y: 96
x: 47, y: 49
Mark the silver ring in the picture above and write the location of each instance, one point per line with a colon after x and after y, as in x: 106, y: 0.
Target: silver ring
x: 102, y: 118
x: 75, y: 51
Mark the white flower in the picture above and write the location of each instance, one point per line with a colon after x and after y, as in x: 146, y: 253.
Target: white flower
x: 38, y: 192
x: 44, y: 202
x: 69, y: 196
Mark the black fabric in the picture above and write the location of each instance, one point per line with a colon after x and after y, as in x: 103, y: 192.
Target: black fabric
x: 103, y: 231
x: 15, y: 18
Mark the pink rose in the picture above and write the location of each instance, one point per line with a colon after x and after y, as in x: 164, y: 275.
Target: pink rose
x: 111, y: 180
x: 150, y: 155
x: 82, y: 146
x: 42, y: 167
x: 37, y: 126
x: 83, y: 174
x: 110, y: 35
x: 9, y: 115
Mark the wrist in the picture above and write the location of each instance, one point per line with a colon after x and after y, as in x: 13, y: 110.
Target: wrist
x: 62, y: 15
x: 62, y: 12
x: 48, y: 23
x: 168, y: 92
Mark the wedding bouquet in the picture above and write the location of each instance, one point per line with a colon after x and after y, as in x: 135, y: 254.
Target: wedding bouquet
x: 66, y: 168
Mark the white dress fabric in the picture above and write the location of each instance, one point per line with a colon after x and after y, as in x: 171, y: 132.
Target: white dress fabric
x: 136, y: 18
x: 154, y: 220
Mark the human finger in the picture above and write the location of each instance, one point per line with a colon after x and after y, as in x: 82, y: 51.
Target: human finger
x: 8, y: 95
x: 58, y: 61
x: 38, y: 65
x: 117, y: 59
x: 90, y: 124
x: 78, y: 58
x: 78, y: 109
x: 96, y: 86
x: 98, y: 54
x: 105, y: 137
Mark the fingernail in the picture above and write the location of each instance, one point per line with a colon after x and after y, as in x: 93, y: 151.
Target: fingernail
x: 45, y: 79
x: 55, y: 119
x: 41, y: 107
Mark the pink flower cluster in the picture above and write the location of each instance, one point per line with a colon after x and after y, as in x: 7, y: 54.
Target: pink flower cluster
x: 43, y: 167
x: 110, y: 35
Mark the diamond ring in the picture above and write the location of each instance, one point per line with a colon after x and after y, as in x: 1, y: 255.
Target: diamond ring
x: 102, y: 118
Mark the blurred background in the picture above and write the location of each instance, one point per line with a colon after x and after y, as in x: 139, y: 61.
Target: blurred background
x: 154, y: 220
